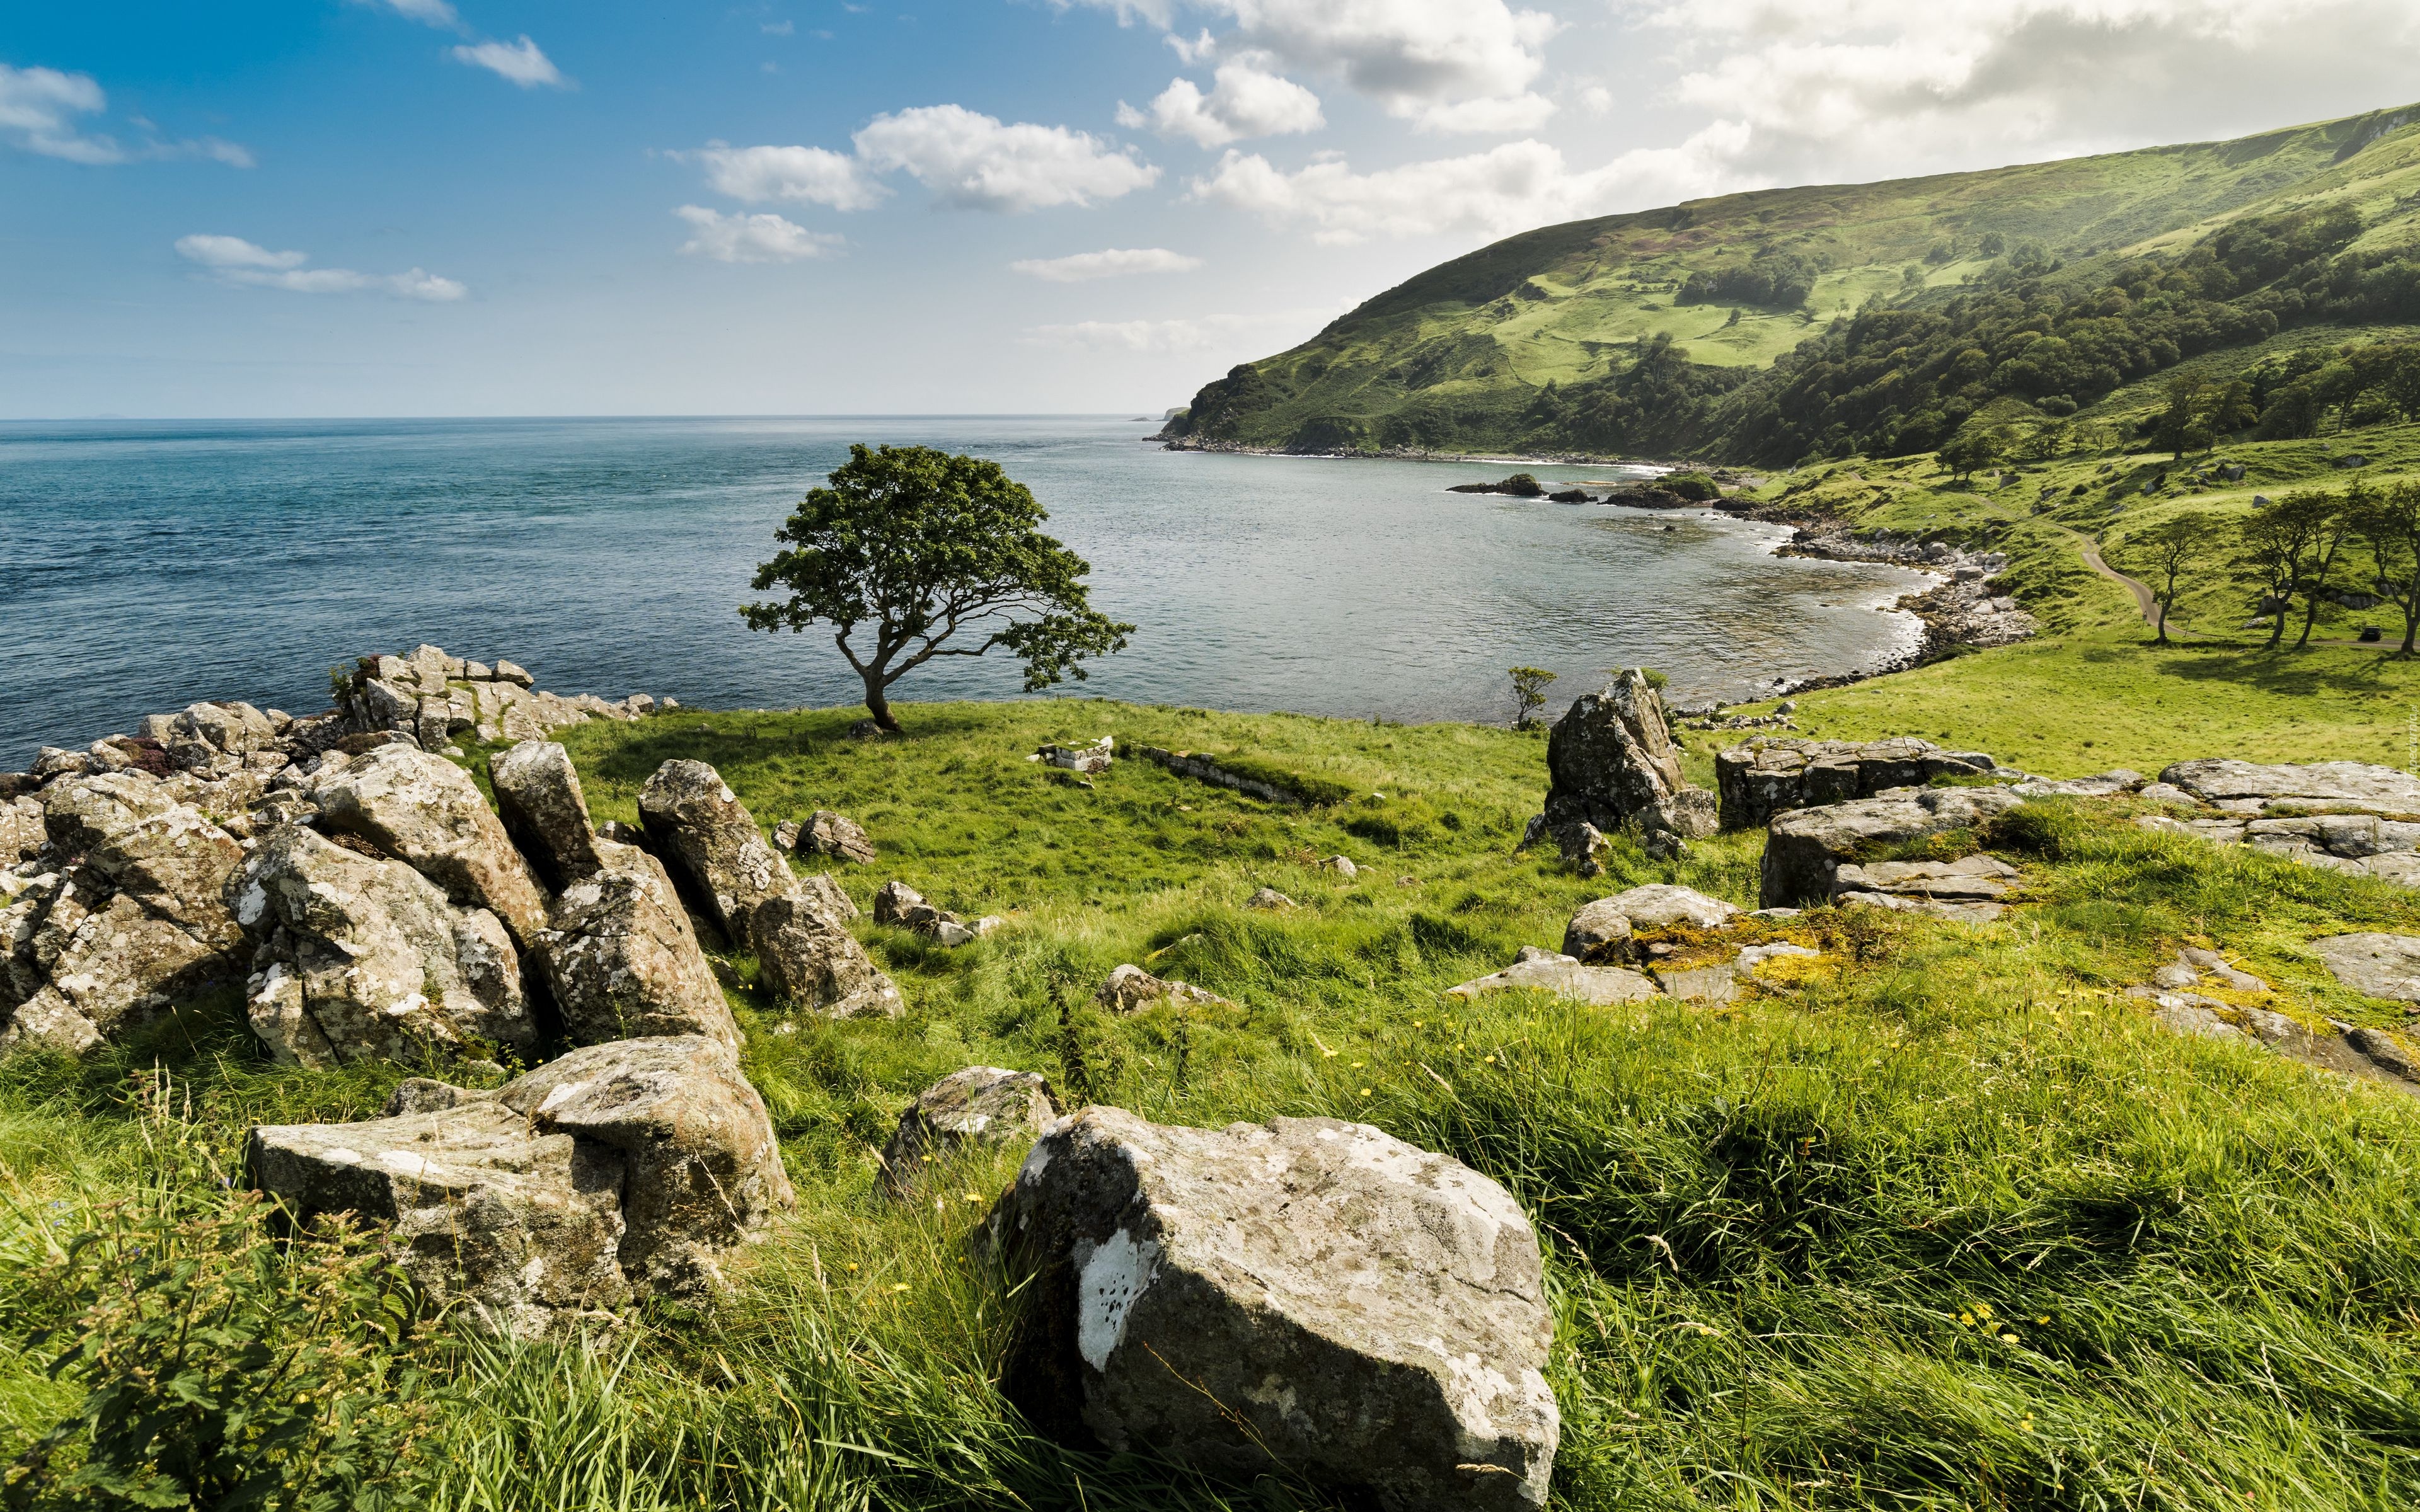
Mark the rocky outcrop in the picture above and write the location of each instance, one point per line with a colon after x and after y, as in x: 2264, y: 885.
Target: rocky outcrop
x: 1130, y: 989
x: 807, y: 958
x: 2178, y: 998
x: 981, y: 1105
x: 1314, y: 1293
x: 426, y: 812
x: 1561, y: 975
x: 1611, y: 764
x: 2374, y: 965
x: 1765, y: 777
x: 1519, y: 486
x: 1602, y: 930
x: 363, y: 958
x: 1970, y: 888
x: 618, y: 1170
x: 2343, y: 787
x: 900, y: 904
x: 429, y: 697
x: 622, y: 961
x: 2344, y: 816
x: 1805, y: 848
x: 542, y: 808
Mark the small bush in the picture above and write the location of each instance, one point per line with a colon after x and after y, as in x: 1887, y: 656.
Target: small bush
x: 1694, y: 486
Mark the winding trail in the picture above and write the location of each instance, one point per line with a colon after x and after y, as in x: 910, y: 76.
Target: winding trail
x: 2148, y: 602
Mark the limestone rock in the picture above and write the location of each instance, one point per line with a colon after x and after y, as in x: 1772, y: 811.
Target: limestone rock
x: 902, y: 905
x: 1544, y: 971
x: 363, y: 958
x: 1973, y: 879
x: 710, y: 843
x: 1662, y: 905
x: 836, y: 835
x: 539, y: 801
x: 895, y: 903
x: 2100, y: 785
x: 119, y: 968
x: 1765, y: 777
x: 22, y: 833
x: 622, y: 960
x: 1369, y: 1314
x: 2374, y: 965
x: 1805, y: 847
x: 1342, y: 866
x: 1611, y: 764
x: 1712, y: 982
x: 1268, y: 900
x: 1130, y: 988
x: 978, y: 1104
x: 1600, y: 932
x: 2345, y: 785
x: 807, y: 958
x: 427, y: 813
x: 702, y: 1172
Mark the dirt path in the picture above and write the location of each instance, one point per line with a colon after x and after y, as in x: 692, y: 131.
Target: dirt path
x: 2148, y: 602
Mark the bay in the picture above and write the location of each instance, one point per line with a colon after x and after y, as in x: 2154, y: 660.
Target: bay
x: 147, y: 565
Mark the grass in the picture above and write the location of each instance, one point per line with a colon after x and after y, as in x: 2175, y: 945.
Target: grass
x: 1947, y: 1225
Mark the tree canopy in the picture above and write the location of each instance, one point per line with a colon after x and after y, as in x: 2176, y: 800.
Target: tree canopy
x: 911, y: 554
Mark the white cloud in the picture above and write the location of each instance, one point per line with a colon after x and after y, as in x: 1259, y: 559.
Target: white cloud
x: 1504, y: 112
x: 428, y: 12
x: 1596, y: 99
x: 1116, y: 262
x: 522, y: 62
x: 975, y: 161
x: 1411, y: 56
x: 234, y: 260
x: 751, y: 239
x: 1180, y: 336
x: 1245, y: 100
x: 813, y: 176
x: 38, y: 107
x: 778, y: 28
x: 1509, y: 188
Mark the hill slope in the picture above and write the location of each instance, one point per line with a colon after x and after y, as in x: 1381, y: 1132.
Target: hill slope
x: 1686, y: 329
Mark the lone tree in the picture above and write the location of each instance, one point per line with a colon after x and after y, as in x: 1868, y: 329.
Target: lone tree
x: 1968, y: 451
x: 918, y: 548
x: 2170, y: 545
x: 2390, y: 526
x: 1529, y: 695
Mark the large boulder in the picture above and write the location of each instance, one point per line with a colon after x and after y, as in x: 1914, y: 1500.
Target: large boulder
x: 807, y: 958
x: 622, y: 960
x: 1317, y: 1293
x: 710, y: 843
x: 1611, y: 764
x: 363, y: 958
x: 2338, y: 785
x: 427, y: 813
x: 619, y: 1169
x: 118, y: 967
x: 1767, y: 777
x: 538, y: 798
x: 1805, y: 848
x: 980, y: 1104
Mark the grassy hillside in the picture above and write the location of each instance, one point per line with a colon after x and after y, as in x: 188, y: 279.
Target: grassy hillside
x: 1459, y: 357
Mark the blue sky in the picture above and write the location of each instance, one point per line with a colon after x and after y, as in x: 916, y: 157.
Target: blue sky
x: 504, y: 206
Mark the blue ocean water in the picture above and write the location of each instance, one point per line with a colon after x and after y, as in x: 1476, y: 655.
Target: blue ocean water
x: 144, y: 566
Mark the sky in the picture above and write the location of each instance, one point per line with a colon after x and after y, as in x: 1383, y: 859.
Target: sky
x: 330, y: 208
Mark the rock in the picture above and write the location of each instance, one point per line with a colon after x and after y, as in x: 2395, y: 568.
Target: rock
x: 622, y: 961
x: 507, y: 672
x: 807, y: 958
x: 1710, y: 983
x: 955, y: 932
x: 427, y: 813
x: 363, y: 958
x: 711, y: 845
x: 1611, y: 764
x: 118, y: 969
x: 1766, y: 777
x: 981, y: 1105
x: 543, y: 811
x: 1269, y: 900
x: 1544, y: 971
x: 895, y: 903
x: 1366, y: 1314
x: 1599, y: 933
x: 21, y: 830
x: 2340, y: 785
x: 2388, y: 1052
x: 1089, y: 760
x: 2100, y: 785
x: 1970, y: 879
x: 2374, y: 965
x: 1807, y: 847
x: 1662, y: 905
x: 1752, y: 959
x: 785, y: 835
x: 702, y: 1172
x: 833, y: 835
x: 1520, y: 485
x: 1130, y: 988
x: 52, y: 761
x: 1581, y: 846
x: 619, y: 1168
x: 1342, y: 866
x: 900, y: 904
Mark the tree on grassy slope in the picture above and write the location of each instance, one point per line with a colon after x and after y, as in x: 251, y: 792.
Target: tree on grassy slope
x: 2171, y: 545
x: 2276, y: 538
x: 920, y: 548
x: 2389, y: 525
x: 2326, y: 520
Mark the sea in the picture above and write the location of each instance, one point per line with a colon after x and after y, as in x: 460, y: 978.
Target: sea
x: 147, y: 564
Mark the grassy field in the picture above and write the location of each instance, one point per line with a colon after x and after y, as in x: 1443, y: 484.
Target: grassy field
x: 1940, y: 1225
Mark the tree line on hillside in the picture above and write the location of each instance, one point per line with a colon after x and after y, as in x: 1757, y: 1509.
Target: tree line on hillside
x: 2302, y: 551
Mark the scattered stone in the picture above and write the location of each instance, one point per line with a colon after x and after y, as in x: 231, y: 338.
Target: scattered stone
x: 1269, y: 900
x: 1089, y: 760
x: 1611, y: 764
x: 1342, y: 866
x: 1764, y: 778
x: 543, y: 811
x: 785, y: 835
x: 2374, y: 965
x: 981, y: 1105
x: 1130, y: 988
x: 1545, y: 971
x: 1752, y: 959
x: 807, y: 958
x: 833, y: 835
x: 1368, y: 1313
x: 1807, y: 847
x: 622, y: 960
x: 618, y: 1169
x: 902, y: 905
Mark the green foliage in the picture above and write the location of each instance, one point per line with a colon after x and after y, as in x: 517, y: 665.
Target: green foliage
x: 1969, y: 452
x: 1529, y: 695
x: 917, y: 546
x: 1779, y: 279
x: 1694, y: 486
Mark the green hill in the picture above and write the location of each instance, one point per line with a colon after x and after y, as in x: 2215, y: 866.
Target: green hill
x: 1878, y: 318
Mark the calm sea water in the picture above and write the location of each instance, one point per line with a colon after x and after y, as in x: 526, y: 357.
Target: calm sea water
x: 144, y: 566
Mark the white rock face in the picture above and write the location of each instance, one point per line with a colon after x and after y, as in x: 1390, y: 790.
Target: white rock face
x: 1368, y: 1312
x: 1545, y: 971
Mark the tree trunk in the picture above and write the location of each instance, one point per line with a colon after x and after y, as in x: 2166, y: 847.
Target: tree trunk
x: 2310, y: 617
x: 2411, y: 625
x: 878, y: 706
x: 2164, y: 622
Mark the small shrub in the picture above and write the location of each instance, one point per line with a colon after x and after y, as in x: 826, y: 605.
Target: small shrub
x: 1694, y: 486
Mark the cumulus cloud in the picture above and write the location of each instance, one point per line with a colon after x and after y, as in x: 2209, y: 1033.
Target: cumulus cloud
x: 975, y: 162
x: 751, y: 239
x: 522, y: 62
x: 1524, y: 112
x: 1413, y: 57
x: 38, y: 113
x: 234, y: 260
x: 812, y: 175
x: 1245, y: 100
x: 1509, y: 188
x: 1116, y: 262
